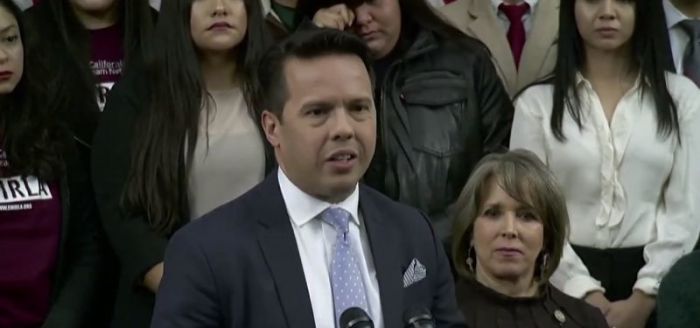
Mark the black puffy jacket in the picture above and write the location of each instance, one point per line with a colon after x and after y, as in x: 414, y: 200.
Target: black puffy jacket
x: 441, y: 108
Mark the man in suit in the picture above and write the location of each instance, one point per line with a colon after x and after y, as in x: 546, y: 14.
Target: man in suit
x: 683, y: 46
x: 309, y: 241
x: 521, y: 35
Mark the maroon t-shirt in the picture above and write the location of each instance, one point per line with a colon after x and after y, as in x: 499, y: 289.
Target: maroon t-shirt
x: 107, y: 59
x: 30, y: 230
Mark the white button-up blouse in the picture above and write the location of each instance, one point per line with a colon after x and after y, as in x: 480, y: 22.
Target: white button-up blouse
x: 625, y: 184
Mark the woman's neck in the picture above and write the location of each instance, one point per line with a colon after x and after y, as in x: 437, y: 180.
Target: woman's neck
x: 520, y: 287
x: 97, y: 20
x: 218, y: 71
x: 690, y: 8
x: 609, y: 66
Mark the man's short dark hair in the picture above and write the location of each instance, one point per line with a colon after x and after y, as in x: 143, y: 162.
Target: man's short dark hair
x: 272, y: 91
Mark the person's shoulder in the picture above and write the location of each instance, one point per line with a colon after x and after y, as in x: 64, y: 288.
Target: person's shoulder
x: 538, y: 89
x: 469, y: 300
x: 577, y: 309
x: 384, y: 201
x: 536, y: 99
x: 685, y: 94
x: 680, y: 84
x: 455, y: 13
x: 236, y: 217
x: 463, y: 45
x: 231, y: 229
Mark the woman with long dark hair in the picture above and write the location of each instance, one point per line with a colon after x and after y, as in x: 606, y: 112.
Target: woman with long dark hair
x: 622, y: 136
x: 50, y: 258
x: 177, y: 138
x: 90, y: 44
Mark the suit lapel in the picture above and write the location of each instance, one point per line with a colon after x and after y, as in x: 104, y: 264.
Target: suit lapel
x: 276, y: 239
x: 545, y: 26
x: 384, y: 242
x: 485, y: 27
x: 456, y: 13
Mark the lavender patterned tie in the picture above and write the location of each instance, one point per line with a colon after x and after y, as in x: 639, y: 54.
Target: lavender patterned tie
x: 346, y: 280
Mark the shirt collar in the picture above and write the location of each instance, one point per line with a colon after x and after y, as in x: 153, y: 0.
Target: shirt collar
x: 673, y: 15
x: 582, y: 82
x: 497, y: 3
x: 267, y: 8
x: 303, y: 207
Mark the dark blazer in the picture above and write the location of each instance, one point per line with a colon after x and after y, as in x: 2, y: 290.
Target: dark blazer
x: 486, y: 308
x: 239, y: 266
x: 78, y: 296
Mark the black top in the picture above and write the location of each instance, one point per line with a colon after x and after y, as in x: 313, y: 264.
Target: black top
x: 485, y: 308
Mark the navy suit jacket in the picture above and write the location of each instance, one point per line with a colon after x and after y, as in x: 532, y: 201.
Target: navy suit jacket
x: 239, y: 266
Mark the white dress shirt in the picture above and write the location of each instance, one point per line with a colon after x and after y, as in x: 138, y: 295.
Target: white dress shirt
x: 677, y: 36
x: 315, y: 240
x: 527, y: 18
x: 625, y: 186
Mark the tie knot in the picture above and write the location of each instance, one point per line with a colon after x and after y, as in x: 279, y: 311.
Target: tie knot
x: 692, y: 27
x: 338, y: 218
x: 514, y: 13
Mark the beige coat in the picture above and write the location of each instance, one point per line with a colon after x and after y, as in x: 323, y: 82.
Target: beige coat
x: 477, y: 19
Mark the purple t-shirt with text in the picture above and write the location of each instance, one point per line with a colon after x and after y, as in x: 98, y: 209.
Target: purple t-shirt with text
x: 30, y: 230
x: 107, y: 59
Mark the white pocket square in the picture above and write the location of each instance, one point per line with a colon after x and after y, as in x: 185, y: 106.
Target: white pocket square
x: 415, y: 273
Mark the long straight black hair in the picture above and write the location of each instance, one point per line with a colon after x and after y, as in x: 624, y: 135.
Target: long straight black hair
x: 67, y: 41
x: 646, y: 53
x: 32, y: 138
x: 157, y: 184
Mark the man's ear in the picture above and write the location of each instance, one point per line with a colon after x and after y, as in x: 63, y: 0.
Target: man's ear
x: 271, y: 124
